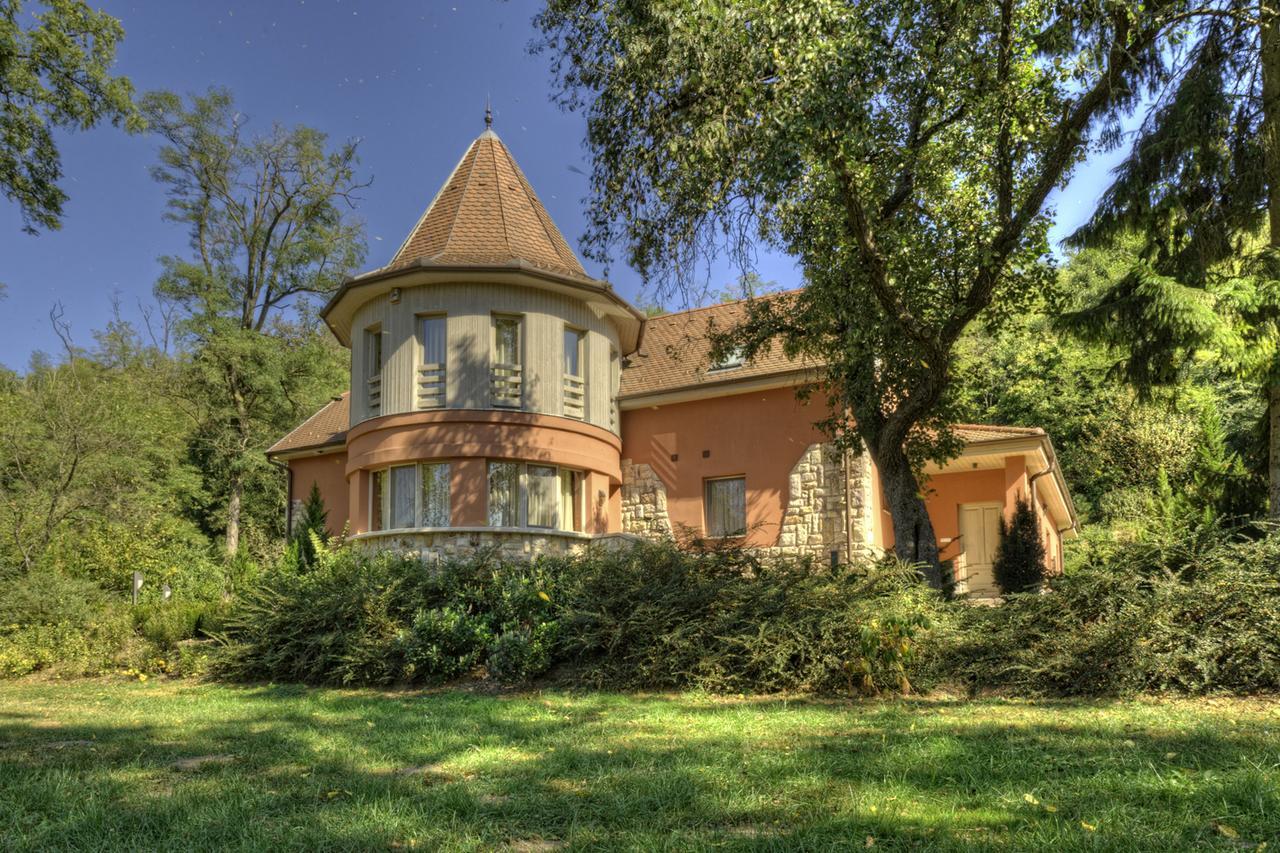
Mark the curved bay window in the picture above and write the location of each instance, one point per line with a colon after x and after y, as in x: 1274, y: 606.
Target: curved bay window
x: 533, y: 495
x: 409, y: 496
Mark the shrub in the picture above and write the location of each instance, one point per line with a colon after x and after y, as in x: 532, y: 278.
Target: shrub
x: 51, y: 621
x: 355, y: 619
x: 1193, y: 610
x: 1019, y: 562
x: 734, y: 621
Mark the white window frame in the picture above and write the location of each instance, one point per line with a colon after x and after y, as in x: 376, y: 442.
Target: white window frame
x: 418, y: 508
x: 706, y: 506
x: 732, y: 360
x: 577, y: 521
x: 374, y: 342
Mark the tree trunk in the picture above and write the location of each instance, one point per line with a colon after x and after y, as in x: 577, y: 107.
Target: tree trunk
x: 1270, y: 56
x: 233, y: 514
x: 913, y: 538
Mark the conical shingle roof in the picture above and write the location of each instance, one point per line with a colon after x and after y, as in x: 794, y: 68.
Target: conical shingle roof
x: 487, y: 214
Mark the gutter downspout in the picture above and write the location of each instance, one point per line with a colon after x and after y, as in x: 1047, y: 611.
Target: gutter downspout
x: 288, y: 494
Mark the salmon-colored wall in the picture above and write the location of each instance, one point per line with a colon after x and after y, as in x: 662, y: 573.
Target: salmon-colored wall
x: 329, y: 472
x: 946, y: 492
x: 760, y: 435
x: 467, y: 439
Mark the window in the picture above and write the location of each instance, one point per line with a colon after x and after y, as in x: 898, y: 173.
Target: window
x: 733, y: 358
x: 373, y: 368
x: 377, y: 490
x: 532, y: 495
x: 615, y: 386
x: 434, y: 496
x: 504, y: 494
x: 402, y: 497
x: 505, y: 373
x: 543, y: 496
x: 575, y: 385
x: 407, y: 496
x: 570, y: 499
x: 433, y: 336
x: 726, y: 506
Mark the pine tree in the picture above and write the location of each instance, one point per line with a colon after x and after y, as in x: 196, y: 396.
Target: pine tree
x: 1200, y: 192
x: 312, y: 520
x: 1019, y: 565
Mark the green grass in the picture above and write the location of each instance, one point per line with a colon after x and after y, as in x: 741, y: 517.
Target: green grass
x: 90, y: 764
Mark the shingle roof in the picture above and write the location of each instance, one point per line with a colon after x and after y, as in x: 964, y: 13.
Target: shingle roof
x: 487, y: 213
x: 975, y: 433
x: 326, y: 427
x: 675, y: 353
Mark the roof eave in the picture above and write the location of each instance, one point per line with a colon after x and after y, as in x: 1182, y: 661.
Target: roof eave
x: 338, y: 310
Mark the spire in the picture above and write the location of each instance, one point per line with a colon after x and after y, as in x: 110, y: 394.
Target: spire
x: 488, y: 114
x: 487, y: 214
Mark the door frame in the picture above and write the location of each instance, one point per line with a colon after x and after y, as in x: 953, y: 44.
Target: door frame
x: 964, y: 550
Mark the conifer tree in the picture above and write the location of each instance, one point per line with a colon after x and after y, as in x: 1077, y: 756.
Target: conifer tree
x: 1200, y: 190
x: 312, y: 520
x: 1019, y: 565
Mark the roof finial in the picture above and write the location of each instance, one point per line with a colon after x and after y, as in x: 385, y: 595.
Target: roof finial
x: 488, y: 114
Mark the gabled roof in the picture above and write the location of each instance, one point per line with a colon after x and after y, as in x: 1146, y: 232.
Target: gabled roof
x: 487, y: 214
x: 326, y: 428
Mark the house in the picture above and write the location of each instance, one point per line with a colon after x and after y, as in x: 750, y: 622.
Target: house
x: 501, y: 396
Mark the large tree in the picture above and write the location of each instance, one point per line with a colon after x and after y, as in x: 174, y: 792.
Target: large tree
x: 1199, y: 194
x: 56, y: 73
x: 270, y: 221
x: 902, y: 150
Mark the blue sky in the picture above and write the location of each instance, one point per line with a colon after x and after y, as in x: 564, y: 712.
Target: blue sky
x: 408, y: 79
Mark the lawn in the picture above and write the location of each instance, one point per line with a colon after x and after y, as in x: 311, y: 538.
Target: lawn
x: 183, y: 765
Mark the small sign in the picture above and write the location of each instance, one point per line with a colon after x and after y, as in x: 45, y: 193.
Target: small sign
x: 137, y: 585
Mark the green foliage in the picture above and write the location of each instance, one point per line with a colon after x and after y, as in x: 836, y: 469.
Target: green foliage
x: 49, y: 620
x: 655, y: 616
x: 1193, y: 609
x: 1019, y: 565
x: 310, y: 528
x: 54, y: 74
x: 907, y: 174
x: 1111, y: 443
x: 652, y: 616
x: 268, y: 215
x: 389, y: 619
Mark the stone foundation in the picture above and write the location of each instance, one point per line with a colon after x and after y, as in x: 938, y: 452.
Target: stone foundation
x: 459, y: 542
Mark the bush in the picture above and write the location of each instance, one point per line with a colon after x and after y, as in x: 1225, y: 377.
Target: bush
x: 355, y: 619
x: 51, y: 621
x: 652, y: 616
x: 655, y: 616
x: 1019, y: 563
x: 1194, y: 610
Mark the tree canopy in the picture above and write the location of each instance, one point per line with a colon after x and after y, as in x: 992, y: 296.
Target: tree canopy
x: 55, y: 73
x: 903, y: 151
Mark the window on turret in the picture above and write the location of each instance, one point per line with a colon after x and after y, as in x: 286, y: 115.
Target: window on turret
x: 432, y: 380
x: 373, y: 369
x: 574, y: 393
x: 504, y: 494
x: 506, y: 369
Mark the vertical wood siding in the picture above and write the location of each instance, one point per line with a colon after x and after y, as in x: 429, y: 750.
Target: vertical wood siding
x: 469, y: 309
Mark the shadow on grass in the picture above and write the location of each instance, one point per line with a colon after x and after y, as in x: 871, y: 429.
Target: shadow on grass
x: 324, y: 769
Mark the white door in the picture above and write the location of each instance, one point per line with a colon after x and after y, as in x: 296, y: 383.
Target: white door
x: 980, y: 532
